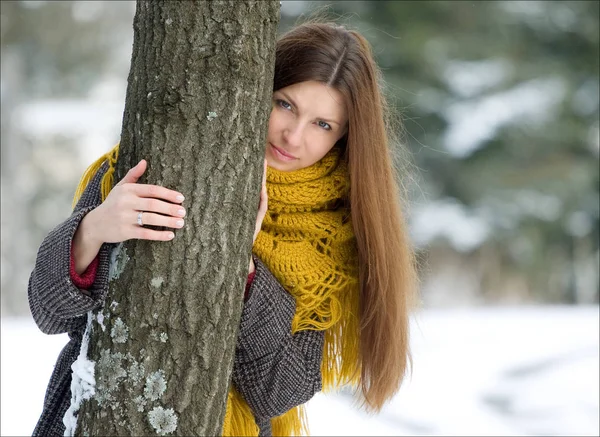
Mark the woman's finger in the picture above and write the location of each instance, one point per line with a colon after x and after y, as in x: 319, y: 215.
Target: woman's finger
x: 265, y: 172
x: 263, y: 205
x: 264, y: 200
x: 149, y: 218
x: 263, y: 191
x: 153, y: 235
x: 157, y: 192
x: 159, y: 206
x: 134, y: 173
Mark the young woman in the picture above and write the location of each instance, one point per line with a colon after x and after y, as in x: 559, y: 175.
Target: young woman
x: 332, y: 295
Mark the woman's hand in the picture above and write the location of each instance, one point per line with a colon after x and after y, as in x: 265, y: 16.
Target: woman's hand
x: 262, y: 211
x: 116, y: 219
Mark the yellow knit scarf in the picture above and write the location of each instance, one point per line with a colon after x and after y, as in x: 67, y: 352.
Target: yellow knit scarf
x: 307, y: 242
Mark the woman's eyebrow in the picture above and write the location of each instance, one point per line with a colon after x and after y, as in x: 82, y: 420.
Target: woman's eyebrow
x: 294, y: 104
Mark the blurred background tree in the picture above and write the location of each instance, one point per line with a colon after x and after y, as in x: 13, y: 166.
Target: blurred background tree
x: 499, y: 102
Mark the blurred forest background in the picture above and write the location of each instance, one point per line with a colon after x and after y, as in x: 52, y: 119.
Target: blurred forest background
x: 499, y: 102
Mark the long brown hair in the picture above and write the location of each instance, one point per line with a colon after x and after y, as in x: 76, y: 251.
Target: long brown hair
x: 342, y: 58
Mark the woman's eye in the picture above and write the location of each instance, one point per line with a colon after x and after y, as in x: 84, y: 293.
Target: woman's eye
x: 324, y: 125
x: 284, y: 104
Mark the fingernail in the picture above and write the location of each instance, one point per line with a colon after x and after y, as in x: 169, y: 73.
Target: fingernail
x: 181, y: 212
x: 180, y: 198
x: 179, y: 223
x: 171, y: 235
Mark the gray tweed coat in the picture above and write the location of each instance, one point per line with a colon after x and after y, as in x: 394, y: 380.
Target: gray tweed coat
x: 273, y: 370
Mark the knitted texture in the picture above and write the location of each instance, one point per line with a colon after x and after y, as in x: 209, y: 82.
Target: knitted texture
x: 273, y: 369
x: 307, y: 241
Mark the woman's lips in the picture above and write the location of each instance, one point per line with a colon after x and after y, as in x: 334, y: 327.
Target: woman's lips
x: 284, y: 156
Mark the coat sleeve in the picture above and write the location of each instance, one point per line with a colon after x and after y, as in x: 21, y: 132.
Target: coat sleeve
x: 274, y: 370
x: 56, y: 304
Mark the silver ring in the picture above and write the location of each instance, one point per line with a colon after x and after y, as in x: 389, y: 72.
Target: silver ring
x: 139, y: 218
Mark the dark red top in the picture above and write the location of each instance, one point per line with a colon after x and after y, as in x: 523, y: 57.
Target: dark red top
x: 248, y: 283
x: 86, y: 279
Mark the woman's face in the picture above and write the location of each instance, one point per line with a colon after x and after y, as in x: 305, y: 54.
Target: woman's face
x: 306, y: 121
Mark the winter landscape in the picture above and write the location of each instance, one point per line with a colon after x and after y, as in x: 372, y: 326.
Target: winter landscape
x: 500, y: 107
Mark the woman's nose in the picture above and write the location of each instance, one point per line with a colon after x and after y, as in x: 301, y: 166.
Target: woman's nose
x: 293, y: 134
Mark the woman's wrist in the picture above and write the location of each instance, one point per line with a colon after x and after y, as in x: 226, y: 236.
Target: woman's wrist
x: 86, y: 244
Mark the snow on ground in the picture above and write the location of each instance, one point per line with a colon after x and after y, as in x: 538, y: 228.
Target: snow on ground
x: 477, y: 371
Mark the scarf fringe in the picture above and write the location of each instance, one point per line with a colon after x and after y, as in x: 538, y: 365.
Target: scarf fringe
x: 107, y: 180
x: 341, y: 350
x: 291, y: 423
x: 239, y: 420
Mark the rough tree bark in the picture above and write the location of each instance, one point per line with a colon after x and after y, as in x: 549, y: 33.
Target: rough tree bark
x: 197, y: 106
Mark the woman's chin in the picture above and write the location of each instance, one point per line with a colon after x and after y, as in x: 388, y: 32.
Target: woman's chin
x: 276, y: 165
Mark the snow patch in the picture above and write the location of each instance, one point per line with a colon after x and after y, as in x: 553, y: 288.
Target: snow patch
x: 449, y: 219
x: 471, y: 78
x: 100, y: 318
x: 473, y: 122
x: 83, y: 384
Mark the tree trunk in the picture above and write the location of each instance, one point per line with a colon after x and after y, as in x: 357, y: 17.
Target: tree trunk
x: 197, y: 105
